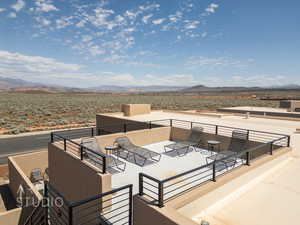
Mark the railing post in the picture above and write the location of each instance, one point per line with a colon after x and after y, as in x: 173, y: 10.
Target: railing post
x: 161, y: 194
x: 150, y: 125
x: 248, y: 158
x: 92, y: 132
x: 248, y: 133
x: 70, y: 215
x: 271, y: 148
x: 141, y: 187
x: 52, y: 137
x: 214, y: 173
x: 81, y: 152
x: 191, y: 125
x: 130, y: 205
x: 125, y: 128
x: 289, y: 141
x: 46, y: 202
x: 104, y: 164
x: 171, y: 122
x: 65, y: 144
x: 217, y: 129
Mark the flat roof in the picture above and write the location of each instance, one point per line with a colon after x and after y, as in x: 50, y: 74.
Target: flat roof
x: 271, y: 197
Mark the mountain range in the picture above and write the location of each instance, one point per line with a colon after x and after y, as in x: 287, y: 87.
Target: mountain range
x: 12, y: 84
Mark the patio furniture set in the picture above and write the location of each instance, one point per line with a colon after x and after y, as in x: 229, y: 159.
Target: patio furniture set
x: 123, y: 148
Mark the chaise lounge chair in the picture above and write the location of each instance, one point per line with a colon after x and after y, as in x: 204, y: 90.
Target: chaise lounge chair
x: 195, y: 139
x: 92, y: 152
x: 228, y: 159
x: 145, y: 154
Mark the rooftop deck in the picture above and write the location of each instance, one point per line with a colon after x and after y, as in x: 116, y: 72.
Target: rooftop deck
x: 169, y: 165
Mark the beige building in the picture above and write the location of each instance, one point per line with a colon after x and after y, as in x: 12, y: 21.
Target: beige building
x: 185, y: 169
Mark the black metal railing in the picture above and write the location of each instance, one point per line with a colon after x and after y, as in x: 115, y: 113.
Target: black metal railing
x: 67, y: 138
x: 160, y: 191
x: 38, y: 216
x: 113, y: 207
x: 78, y: 149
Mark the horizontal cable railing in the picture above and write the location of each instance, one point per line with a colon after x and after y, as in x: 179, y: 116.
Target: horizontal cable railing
x: 67, y: 138
x: 160, y: 191
x: 79, y: 150
x: 113, y: 207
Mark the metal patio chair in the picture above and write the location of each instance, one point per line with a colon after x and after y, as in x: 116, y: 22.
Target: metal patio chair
x: 194, y: 140
x: 93, y: 156
x: 145, y: 154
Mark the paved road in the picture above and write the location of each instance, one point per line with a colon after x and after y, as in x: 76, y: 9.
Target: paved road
x: 16, y: 145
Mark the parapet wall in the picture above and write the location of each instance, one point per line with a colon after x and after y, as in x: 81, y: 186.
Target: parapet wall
x: 138, y: 137
x: 75, y: 179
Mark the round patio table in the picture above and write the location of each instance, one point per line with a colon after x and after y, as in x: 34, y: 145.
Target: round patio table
x: 213, y: 145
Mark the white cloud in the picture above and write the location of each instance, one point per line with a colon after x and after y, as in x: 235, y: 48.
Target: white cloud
x: 19, y: 65
x: 214, y: 63
x: 45, y: 6
x: 43, y: 21
x: 64, y: 22
x: 20, y: 4
x: 158, y: 21
x: 12, y: 15
x: 211, y: 8
x: 86, y: 38
x: 146, y: 18
x: 191, y: 25
x: 2, y: 9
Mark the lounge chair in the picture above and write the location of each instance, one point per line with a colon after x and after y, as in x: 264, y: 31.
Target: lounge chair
x: 195, y: 139
x: 93, y: 152
x: 145, y: 154
x: 228, y: 159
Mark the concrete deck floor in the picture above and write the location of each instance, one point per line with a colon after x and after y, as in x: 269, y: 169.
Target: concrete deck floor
x: 169, y: 165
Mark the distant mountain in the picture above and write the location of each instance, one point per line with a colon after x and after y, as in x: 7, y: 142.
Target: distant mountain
x: 150, y: 88
x: 12, y: 84
x: 287, y: 86
x: 202, y: 88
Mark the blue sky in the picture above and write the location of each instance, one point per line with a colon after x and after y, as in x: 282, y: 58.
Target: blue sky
x: 128, y: 42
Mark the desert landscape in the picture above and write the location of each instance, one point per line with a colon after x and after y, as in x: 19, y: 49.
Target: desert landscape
x: 35, y: 110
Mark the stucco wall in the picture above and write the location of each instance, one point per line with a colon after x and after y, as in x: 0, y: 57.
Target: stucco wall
x: 139, y: 137
x: 19, y: 172
x: 74, y: 179
x: 146, y: 214
x: 10, y: 217
x: 135, y: 109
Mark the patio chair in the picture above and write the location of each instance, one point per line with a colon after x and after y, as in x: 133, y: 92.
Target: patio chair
x: 239, y: 141
x: 36, y: 175
x: 93, y: 153
x: 145, y: 154
x: 224, y: 160
x: 194, y: 140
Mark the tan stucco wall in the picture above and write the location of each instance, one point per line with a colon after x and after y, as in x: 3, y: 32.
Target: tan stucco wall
x: 146, y: 214
x: 11, y: 217
x: 135, y: 109
x: 74, y: 179
x: 139, y: 137
x: 19, y: 172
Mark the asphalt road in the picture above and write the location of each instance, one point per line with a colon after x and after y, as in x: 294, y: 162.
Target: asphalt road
x: 23, y: 144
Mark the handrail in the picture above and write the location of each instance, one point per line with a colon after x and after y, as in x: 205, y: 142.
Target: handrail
x: 212, y: 164
x: 81, y: 149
